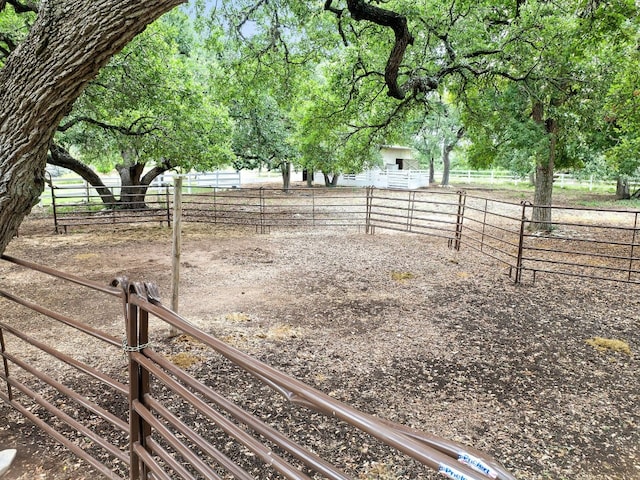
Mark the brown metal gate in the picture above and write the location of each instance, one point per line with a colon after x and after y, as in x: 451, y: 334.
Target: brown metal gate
x: 168, y: 423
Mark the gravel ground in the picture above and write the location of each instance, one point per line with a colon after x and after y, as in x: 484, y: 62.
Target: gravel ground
x: 396, y: 325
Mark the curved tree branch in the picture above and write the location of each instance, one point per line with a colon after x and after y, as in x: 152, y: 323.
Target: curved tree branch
x: 19, y: 7
x: 155, y: 172
x: 361, y: 10
x: 132, y: 130
x: 60, y: 157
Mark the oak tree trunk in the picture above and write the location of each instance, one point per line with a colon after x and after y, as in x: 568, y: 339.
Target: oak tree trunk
x: 67, y: 45
x: 447, y: 148
x: 330, y: 180
x: 541, y: 216
x: 623, y: 188
x: 285, y: 168
x: 432, y: 171
x: 446, y: 164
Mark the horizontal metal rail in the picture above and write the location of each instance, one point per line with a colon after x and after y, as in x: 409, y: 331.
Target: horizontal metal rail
x: 59, y: 437
x: 65, y: 415
x: 432, y: 452
x: 459, y: 218
x: 110, y: 290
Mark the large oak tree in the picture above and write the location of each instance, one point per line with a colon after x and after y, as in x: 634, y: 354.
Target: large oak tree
x: 65, y: 48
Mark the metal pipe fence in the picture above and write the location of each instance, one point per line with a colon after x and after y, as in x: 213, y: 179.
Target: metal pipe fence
x: 82, y: 423
x: 598, y: 244
x: 595, y: 243
x: 172, y: 424
x: 73, y: 206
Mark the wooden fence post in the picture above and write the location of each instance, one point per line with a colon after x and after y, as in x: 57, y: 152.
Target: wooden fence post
x: 369, y: 228
x: 462, y: 198
x: 176, y: 249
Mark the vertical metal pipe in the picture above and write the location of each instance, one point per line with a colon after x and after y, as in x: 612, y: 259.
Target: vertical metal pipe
x: 368, y: 210
x: 131, y: 322
x: 53, y: 203
x: 313, y: 207
x: 410, y: 209
x: 262, y: 205
x: 3, y: 349
x: 215, y: 205
x: 523, y: 219
x: 633, y: 244
x: 484, y: 222
x: 143, y: 378
x: 168, y: 203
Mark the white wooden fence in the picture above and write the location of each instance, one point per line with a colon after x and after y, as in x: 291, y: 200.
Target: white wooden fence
x: 75, y: 186
x: 403, y: 179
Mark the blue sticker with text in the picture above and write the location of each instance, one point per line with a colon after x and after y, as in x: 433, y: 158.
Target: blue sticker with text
x: 452, y: 472
x: 477, y: 464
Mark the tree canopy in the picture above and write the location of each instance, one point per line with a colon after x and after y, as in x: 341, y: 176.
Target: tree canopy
x: 533, y: 86
x: 153, y: 105
x: 65, y: 48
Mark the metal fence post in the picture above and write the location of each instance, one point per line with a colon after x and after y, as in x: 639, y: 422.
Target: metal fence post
x: 410, y: 209
x: 53, y: 204
x: 215, y: 205
x: 262, y: 213
x: 523, y: 220
x: 633, y: 244
x: 3, y: 349
x: 484, y: 222
x: 313, y: 207
x: 136, y: 321
x: 168, y: 202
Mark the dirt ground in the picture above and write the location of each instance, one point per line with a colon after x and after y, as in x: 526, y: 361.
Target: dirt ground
x: 397, y: 325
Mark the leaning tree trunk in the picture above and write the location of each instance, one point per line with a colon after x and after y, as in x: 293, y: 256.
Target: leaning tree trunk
x: 62, y: 158
x: 68, y: 44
